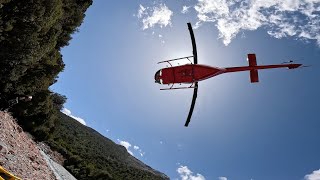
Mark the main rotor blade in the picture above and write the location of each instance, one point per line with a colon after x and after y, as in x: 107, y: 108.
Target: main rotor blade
x: 194, y: 46
x: 195, y: 94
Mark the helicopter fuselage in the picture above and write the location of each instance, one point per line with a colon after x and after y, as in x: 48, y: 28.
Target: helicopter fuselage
x: 191, y: 73
x: 188, y: 73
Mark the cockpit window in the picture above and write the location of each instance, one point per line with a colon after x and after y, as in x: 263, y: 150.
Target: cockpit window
x: 157, y: 77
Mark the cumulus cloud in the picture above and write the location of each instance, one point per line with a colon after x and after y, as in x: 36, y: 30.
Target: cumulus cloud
x: 297, y: 18
x: 185, y: 9
x: 136, y: 147
x: 186, y: 174
x: 128, y: 146
x: 315, y: 175
x: 157, y: 15
x: 141, y: 11
x: 222, y: 178
x: 141, y: 153
x: 68, y: 112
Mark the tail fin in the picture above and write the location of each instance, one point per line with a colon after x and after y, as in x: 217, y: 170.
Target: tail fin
x: 254, y: 76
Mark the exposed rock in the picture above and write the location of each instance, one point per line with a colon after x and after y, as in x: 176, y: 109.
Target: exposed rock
x: 55, y: 156
x: 60, y: 172
x: 19, y: 154
x: 3, y: 148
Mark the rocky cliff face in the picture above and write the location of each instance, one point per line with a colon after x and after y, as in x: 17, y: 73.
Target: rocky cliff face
x: 19, y: 154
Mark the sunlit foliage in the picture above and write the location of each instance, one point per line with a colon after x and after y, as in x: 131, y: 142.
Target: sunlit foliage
x: 32, y: 33
x: 95, y: 157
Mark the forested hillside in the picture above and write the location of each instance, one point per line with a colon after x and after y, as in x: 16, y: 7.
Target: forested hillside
x: 32, y: 33
x: 95, y: 157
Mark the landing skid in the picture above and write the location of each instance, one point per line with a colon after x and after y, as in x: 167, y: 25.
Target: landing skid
x: 192, y: 86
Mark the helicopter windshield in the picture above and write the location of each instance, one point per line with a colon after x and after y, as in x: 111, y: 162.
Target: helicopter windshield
x: 157, y: 77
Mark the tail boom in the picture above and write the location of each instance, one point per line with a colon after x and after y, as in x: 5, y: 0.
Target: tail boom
x: 254, y: 69
x: 249, y: 68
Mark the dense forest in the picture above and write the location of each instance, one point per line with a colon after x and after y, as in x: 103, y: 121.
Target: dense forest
x: 94, y: 156
x: 32, y: 33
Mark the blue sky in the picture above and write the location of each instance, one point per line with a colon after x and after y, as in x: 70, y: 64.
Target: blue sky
x: 239, y: 131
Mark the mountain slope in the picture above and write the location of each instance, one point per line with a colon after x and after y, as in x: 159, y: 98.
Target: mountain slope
x: 92, y: 156
x: 32, y: 33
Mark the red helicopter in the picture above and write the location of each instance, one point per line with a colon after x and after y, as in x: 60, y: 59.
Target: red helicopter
x: 194, y: 72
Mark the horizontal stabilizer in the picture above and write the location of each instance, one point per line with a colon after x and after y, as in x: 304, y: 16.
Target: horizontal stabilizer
x: 254, y: 77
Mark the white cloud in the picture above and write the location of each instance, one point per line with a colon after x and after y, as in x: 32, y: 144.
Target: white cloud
x: 128, y: 146
x: 296, y: 18
x: 186, y: 174
x: 138, y: 149
x: 68, y: 112
x: 141, y: 153
x: 141, y: 11
x: 185, y: 9
x: 222, y: 178
x: 157, y: 15
x: 315, y: 175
